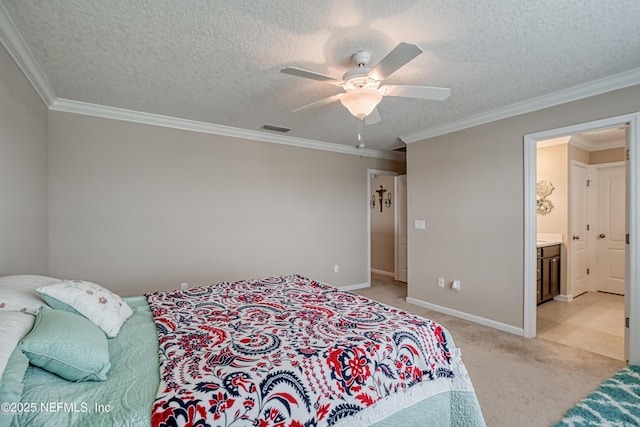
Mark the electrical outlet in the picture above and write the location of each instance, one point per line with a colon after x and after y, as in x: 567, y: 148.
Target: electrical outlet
x: 184, y: 286
x: 441, y: 282
x: 336, y: 268
x: 456, y: 285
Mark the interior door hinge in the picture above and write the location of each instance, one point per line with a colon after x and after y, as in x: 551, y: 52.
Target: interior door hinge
x: 588, y: 183
x: 588, y: 228
x: 627, y: 238
x: 627, y: 154
x: 626, y: 322
x: 587, y: 271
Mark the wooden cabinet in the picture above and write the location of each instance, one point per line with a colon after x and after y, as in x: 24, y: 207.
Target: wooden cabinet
x: 548, y: 272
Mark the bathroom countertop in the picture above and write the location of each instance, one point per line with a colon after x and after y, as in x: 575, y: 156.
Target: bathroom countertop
x: 547, y: 239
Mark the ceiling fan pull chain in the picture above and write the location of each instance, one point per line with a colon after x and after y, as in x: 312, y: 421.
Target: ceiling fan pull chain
x: 360, y: 133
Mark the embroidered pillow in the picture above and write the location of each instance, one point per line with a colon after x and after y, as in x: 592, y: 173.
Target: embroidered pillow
x: 18, y: 292
x: 104, y: 308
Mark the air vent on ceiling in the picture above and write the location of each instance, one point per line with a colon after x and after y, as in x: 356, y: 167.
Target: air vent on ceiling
x: 276, y: 128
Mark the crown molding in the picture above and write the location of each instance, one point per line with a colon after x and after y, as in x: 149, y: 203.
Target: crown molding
x: 588, y: 145
x: 17, y: 48
x: 586, y: 90
x: 85, y: 108
x: 582, y: 142
x: 554, y: 141
x: 21, y: 54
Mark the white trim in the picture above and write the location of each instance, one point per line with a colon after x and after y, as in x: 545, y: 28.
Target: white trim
x: 466, y: 316
x: 585, y: 90
x: 353, y: 287
x: 530, y: 141
x: 530, y: 234
x: 633, y: 299
x: 580, y: 142
x: 17, y: 48
x: 585, y: 144
x: 383, y: 273
x: 77, y: 107
x: 564, y: 298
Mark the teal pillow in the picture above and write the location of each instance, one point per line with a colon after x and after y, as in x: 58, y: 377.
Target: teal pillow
x: 11, y: 383
x: 67, y: 345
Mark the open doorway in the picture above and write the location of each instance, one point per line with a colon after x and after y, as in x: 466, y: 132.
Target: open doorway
x: 632, y: 237
x: 580, y: 235
x: 387, y: 230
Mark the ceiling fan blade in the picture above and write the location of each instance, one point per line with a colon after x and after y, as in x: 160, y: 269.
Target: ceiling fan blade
x: 394, y: 60
x: 323, y: 101
x: 420, y: 92
x: 299, y: 72
x: 373, y: 118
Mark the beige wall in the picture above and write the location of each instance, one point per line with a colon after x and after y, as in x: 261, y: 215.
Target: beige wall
x: 140, y: 208
x: 23, y: 173
x: 551, y: 166
x: 382, y: 228
x: 468, y: 186
x: 607, y: 156
x: 578, y: 154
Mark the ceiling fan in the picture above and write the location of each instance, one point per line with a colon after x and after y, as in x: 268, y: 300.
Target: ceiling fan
x: 362, y: 85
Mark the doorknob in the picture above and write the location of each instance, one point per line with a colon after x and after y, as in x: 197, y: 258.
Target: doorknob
x: 602, y: 236
x: 576, y: 237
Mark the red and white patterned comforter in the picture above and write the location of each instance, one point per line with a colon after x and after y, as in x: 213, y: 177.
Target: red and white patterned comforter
x: 287, y: 352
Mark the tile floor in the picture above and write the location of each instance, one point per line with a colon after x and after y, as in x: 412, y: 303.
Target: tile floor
x: 593, y: 321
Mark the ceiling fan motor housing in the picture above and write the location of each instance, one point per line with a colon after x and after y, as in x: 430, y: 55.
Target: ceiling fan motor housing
x: 359, y: 77
x: 361, y: 58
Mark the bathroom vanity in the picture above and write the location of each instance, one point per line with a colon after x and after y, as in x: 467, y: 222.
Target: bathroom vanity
x: 548, y: 260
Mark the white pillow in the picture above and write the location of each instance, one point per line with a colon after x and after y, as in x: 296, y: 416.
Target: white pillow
x: 104, y: 308
x: 14, y: 325
x: 18, y: 292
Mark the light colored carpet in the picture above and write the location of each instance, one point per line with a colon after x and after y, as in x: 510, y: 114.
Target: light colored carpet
x: 519, y: 381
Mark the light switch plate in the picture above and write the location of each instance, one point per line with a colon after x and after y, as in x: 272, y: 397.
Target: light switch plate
x: 420, y: 224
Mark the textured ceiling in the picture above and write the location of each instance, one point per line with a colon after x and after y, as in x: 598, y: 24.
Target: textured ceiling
x: 219, y: 61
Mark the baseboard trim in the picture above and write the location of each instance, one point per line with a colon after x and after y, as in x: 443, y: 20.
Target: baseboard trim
x: 383, y: 273
x: 564, y: 298
x: 470, y: 317
x: 354, y: 287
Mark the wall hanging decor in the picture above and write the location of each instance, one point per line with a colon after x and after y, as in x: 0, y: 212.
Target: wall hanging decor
x: 382, y: 200
x: 543, y: 189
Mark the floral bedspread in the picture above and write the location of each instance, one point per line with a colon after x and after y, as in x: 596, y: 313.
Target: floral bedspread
x: 286, y: 352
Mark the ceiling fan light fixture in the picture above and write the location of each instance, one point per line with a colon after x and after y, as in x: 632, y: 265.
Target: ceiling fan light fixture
x: 361, y: 101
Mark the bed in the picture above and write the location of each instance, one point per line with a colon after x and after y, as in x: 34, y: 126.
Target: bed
x: 284, y: 351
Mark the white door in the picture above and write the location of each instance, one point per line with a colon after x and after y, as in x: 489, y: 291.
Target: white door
x: 400, y: 183
x: 577, y: 240
x: 610, y: 229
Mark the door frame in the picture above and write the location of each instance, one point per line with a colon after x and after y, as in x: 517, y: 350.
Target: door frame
x: 370, y: 174
x: 633, y: 266
x: 396, y: 227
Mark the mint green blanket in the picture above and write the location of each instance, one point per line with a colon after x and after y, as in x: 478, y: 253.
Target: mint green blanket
x: 114, y: 402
